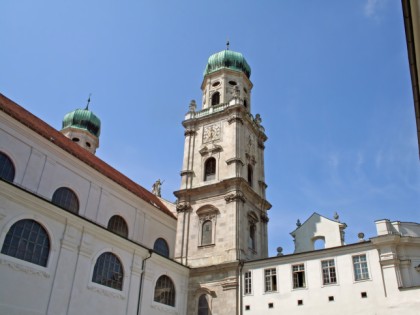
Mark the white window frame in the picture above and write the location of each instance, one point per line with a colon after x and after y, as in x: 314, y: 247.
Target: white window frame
x: 329, y: 272
x: 299, y: 270
x: 248, y: 284
x: 360, y: 264
x: 271, y: 277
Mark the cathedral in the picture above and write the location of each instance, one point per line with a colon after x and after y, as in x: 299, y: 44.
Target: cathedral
x: 79, y: 237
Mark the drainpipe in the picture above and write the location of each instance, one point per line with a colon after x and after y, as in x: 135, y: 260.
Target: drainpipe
x: 143, y: 268
x: 239, y: 309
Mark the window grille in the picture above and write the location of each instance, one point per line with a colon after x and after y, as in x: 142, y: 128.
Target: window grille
x: 118, y: 225
x: 108, y: 271
x: 66, y: 199
x: 7, y: 169
x: 165, y: 291
x: 161, y: 247
x: 29, y: 241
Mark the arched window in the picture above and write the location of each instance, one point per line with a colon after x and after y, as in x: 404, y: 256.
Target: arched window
x: 66, y: 199
x: 161, y: 247
x: 108, y: 271
x: 206, y: 233
x: 245, y: 104
x: 250, y: 174
x: 215, y: 98
x: 7, y: 169
x: 165, y: 291
x: 118, y: 225
x: 29, y: 241
x: 210, y: 169
x: 203, y: 305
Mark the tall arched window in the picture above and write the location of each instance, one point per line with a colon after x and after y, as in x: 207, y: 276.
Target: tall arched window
x: 203, y: 305
x: 215, y: 98
x: 165, y: 291
x: 252, y: 230
x: 210, y: 169
x: 118, y: 225
x: 66, y: 199
x: 161, y: 247
x: 7, y: 169
x: 245, y: 104
x: 206, y: 233
x: 250, y: 174
x: 29, y: 241
x: 108, y: 271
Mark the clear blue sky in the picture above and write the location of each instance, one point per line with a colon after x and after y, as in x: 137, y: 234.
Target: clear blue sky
x: 331, y: 83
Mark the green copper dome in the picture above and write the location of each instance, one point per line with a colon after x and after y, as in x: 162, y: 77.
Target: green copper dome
x: 83, y: 119
x: 227, y: 59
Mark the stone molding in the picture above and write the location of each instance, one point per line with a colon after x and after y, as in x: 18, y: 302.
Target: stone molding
x: 190, y: 132
x: 229, y: 284
x: 236, y: 196
x: 264, y: 218
x: 212, y: 148
x: 187, y: 172
x: 25, y: 269
x: 235, y: 160
x: 106, y: 292
x: 183, y: 206
x: 236, y: 119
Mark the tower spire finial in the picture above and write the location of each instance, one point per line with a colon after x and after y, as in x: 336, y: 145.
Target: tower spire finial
x: 88, y: 101
x: 227, y: 44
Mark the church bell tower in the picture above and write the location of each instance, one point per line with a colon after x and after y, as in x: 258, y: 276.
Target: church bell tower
x: 222, y: 210
x: 221, y: 204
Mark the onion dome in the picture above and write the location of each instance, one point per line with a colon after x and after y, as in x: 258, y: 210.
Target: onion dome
x: 227, y: 59
x: 83, y: 119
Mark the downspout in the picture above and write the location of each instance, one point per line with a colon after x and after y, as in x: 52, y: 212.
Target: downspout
x: 143, y: 268
x: 239, y: 310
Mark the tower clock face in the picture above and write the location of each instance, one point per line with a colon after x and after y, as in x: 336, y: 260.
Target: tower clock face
x: 211, y: 133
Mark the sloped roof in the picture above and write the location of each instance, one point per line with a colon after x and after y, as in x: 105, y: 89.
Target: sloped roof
x: 43, y: 129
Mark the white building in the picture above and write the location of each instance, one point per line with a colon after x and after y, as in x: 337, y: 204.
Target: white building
x: 78, y: 237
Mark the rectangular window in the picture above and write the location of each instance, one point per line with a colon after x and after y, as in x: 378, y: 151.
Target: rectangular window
x: 299, y: 276
x: 248, y: 283
x: 329, y: 275
x: 360, y: 266
x: 270, y: 280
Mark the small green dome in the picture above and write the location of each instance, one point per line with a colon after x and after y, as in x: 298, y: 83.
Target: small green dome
x: 83, y: 119
x: 227, y: 59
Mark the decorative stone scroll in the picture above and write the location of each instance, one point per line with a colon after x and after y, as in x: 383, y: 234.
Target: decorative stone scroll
x: 163, y: 308
x: 25, y: 269
x: 106, y: 292
x: 264, y: 218
x: 235, y: 160
x: 236, y: 196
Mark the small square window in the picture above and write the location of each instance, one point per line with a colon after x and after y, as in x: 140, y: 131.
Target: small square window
x: 247, y: 307
x: 363, y: 295
x: 331, y: 298
x: 270, y: 305
x: 300, y: 302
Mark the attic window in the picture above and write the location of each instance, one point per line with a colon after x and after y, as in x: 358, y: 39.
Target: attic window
x: 75, y: 139
x: 88, y: 144
x: 233, y: 83
x: 217, y: 83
